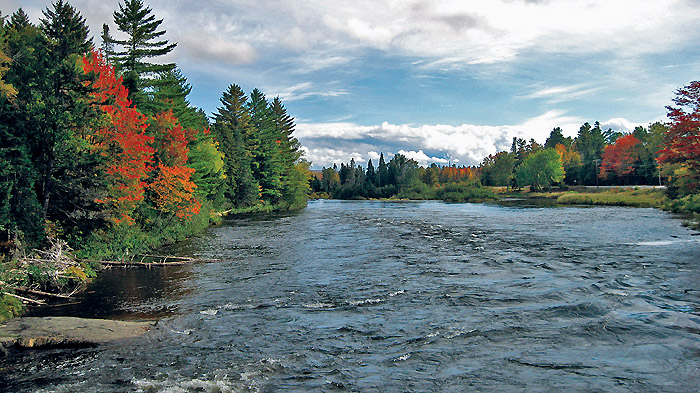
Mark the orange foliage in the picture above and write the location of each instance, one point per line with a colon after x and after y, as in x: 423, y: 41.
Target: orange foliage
x: 621, y: 157
x: 174, y: 190
x: 121, y: 139
x: 171, y: 139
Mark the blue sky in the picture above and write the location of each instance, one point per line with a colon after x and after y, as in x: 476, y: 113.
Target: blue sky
x: 439, y: 81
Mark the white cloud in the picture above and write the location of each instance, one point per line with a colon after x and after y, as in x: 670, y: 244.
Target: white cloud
x: 301, y: 91
x: 424, y: 160
x: 620, y: 124
x: 557, y: 94
x: 467, y: 144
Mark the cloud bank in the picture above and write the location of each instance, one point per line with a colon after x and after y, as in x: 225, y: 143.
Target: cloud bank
x: 467, y: 144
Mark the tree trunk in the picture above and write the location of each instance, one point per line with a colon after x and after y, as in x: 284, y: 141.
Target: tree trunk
x: 48, y: 183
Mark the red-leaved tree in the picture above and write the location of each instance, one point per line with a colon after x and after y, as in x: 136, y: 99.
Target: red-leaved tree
x: 681, y: 143
x: 621, y: 157
x: 121, y: 139
x: 172, y: 186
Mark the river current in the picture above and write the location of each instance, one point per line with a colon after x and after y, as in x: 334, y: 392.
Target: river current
x: 399, y: 297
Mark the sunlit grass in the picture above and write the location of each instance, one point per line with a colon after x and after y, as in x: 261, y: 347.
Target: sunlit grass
x: 616, y: 197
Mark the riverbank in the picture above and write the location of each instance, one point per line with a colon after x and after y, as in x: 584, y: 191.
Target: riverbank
x: 603, y: 196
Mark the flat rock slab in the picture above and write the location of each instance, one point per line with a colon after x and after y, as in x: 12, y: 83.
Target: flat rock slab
x: 33, y: 332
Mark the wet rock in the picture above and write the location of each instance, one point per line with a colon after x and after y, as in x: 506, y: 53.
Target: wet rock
x: 49, y: 332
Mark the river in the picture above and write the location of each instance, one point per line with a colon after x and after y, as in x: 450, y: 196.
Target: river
x: 399, y: 297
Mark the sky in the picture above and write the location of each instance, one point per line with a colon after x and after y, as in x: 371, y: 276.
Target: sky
x: 448, y: 82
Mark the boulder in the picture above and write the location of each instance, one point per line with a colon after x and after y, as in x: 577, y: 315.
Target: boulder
x: 49, y: 332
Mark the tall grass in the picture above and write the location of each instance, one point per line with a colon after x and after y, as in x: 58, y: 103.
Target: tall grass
x: 616, y: 197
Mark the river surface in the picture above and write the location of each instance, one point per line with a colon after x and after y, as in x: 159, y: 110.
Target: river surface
x: 399, y: 297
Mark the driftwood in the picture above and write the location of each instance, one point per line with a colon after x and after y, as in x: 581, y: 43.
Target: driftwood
x: 41, y: 293
x: 159, y: 260
x: 24, y: 299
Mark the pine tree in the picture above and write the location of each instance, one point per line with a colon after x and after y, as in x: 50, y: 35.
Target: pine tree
x: 62, y: 107
x: 381, y: 172
x: 107, y: 44
x: 143, y: 42
x: 233, y: 129
x: 267, y: 164
x: 170, y: 94
x: 295, y: 185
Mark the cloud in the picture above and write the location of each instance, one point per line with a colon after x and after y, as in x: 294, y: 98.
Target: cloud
x: 467, y: 144
x: 620, y: 124
x: 557, y: 94
x: 218, y: 49
x: 303, y: 90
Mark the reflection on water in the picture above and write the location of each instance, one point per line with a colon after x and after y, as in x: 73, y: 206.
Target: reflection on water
x: 395, y: 297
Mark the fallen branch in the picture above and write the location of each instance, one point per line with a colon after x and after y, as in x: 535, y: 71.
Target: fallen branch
x: 24, y: 299
x: 40, y: 293
x: 176, y: 262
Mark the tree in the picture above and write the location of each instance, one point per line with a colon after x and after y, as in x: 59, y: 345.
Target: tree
x: 267, y: 161
x: 143, y: 42
x: 234, y: 131
x: 541, y: 170
x: 295, y: 171
x: 621, y: 158
x: 497, y: 170
x: 681, y: 144
x: 590, y: 143
x: 121, y: 139
x: 556, y: 137
x: 59, y: 106
x: 571, y: 161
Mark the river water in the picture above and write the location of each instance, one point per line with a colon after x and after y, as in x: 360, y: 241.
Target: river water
x: 400, y: 297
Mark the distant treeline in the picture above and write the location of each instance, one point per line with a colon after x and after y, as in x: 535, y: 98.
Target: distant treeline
x: 100, y: 147
x: 662, y: 154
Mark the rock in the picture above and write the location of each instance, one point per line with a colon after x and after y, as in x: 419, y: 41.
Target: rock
x: 51, y: 332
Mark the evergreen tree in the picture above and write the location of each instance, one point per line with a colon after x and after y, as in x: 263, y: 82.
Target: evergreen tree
x: 233, y: 129
x: 294, y: 184
x: 170, y: 93
x: 267, y: 161
x: 143, y: 42
x: 381, y: 172
x: 556, y: 137
x: 590, y: 143
x: 107, y: 44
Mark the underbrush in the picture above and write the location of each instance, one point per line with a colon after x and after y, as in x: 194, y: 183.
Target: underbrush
x: 458, y: 192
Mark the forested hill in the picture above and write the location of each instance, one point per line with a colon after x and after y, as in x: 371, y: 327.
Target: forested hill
x: 99, y: 145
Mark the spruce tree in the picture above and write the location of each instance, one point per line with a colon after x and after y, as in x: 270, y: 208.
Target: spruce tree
x: 267, y: 164
x: 233, y: 130
x: 143, y: 42
x: 59, y: 106
x: 294, y: 184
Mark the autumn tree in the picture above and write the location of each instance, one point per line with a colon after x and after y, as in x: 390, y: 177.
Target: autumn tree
x: 571, y: 160
x: 121, y: 139
x: 621, y: 159
x: 681, y: 144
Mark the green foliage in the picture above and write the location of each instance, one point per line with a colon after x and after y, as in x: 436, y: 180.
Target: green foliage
x: 9, y: 307
x: 460, y: 192
x: 541, y: 170
x: 498, y: 170
x: 143, y: 42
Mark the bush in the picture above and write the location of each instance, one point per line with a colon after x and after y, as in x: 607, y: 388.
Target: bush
x: 460, y: 192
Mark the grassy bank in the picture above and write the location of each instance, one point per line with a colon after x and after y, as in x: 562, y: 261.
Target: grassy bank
x: 616, y: 197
